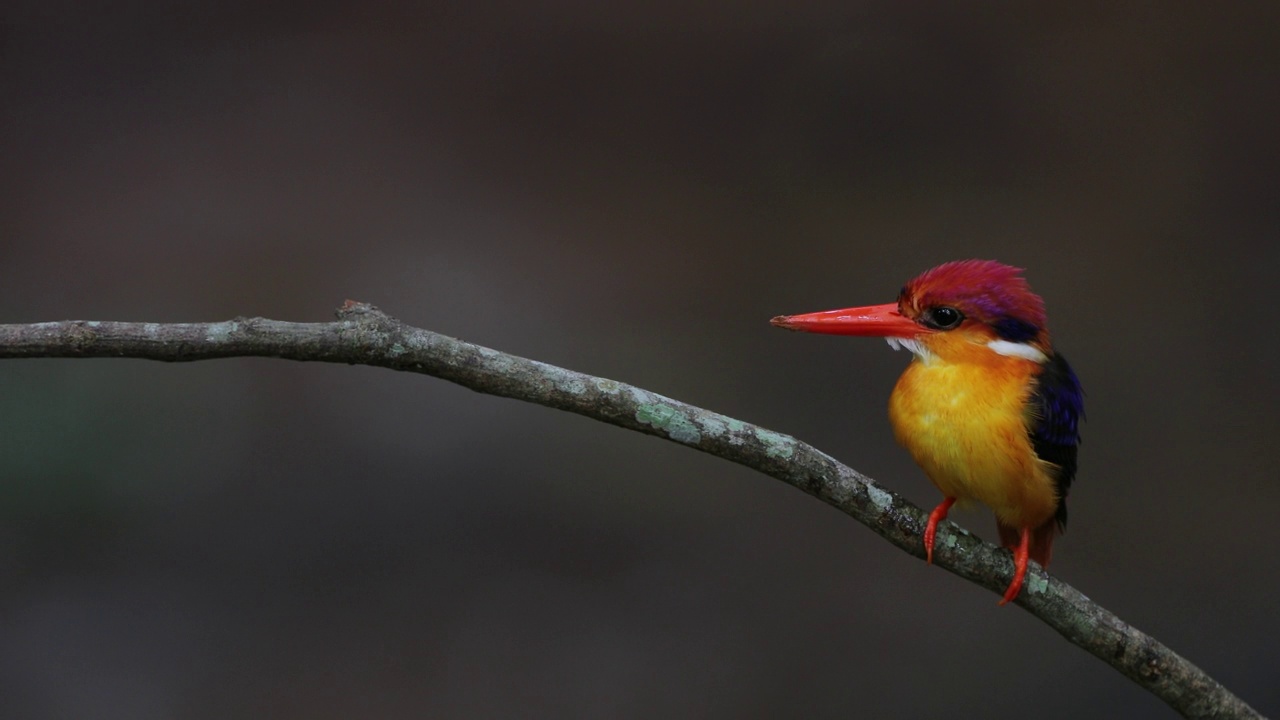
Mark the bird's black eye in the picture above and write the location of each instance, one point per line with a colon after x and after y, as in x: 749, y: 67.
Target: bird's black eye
x: 942, y: 318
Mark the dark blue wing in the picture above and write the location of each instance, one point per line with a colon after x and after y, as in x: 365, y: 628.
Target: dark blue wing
x: 1056, y: 408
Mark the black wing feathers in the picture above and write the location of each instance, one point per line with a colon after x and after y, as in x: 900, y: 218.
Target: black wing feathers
x: 1056, y: 407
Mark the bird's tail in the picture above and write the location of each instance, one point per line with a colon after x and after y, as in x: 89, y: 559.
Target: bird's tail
x: 1041, y: 545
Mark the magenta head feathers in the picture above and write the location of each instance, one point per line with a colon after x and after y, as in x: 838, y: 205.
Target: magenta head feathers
x: 992, y: 293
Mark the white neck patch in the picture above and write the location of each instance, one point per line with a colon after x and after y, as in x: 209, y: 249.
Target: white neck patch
x: 1018, y: 350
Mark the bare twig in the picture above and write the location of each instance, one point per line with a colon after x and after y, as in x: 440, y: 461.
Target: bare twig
x: 364, y: 335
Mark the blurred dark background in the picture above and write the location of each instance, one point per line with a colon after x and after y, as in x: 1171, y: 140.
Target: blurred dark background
x: 631, y: 192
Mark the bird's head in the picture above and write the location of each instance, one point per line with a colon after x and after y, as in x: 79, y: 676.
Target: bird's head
x: 962, y: 310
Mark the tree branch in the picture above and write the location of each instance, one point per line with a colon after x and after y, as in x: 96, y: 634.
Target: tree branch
x: 366, y: 336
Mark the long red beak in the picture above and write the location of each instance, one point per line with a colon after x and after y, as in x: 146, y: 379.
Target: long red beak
x: 869, y: 321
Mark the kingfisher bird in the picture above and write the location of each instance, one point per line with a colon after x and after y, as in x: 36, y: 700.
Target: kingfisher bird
x: 986, y: 407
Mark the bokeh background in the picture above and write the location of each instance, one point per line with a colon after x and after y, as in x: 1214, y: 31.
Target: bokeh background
x: 630, y: 191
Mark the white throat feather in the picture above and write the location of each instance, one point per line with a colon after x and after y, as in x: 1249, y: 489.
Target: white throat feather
x: 913, y: 345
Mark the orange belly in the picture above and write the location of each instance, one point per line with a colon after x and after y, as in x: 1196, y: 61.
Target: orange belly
x: 964, y: 423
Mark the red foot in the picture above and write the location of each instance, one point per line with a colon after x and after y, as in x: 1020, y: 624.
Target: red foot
x: 931, y: 530
x: 1020, y: 556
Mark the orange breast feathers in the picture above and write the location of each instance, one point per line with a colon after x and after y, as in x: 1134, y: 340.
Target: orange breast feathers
x: 964, y: 422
